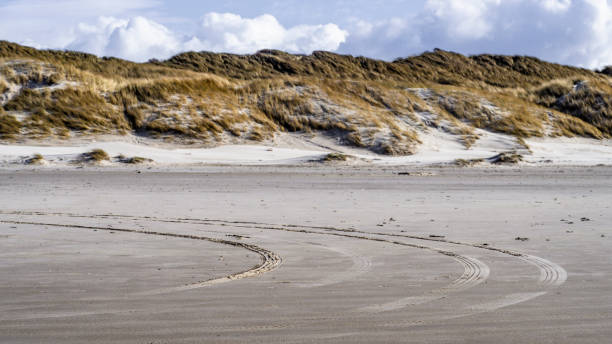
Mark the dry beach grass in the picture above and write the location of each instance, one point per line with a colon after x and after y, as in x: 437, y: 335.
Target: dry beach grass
x: 211, y: 99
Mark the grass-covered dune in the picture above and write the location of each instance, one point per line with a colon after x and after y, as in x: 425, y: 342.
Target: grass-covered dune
x: 209, y: 99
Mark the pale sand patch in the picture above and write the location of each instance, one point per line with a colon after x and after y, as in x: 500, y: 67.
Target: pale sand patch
x: 437, y: 147
x: 570, y: 151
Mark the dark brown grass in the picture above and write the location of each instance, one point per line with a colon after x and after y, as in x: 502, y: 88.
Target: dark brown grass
x: 10, y: 127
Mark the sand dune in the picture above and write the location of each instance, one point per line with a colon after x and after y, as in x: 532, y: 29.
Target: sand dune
x: 437, y: 148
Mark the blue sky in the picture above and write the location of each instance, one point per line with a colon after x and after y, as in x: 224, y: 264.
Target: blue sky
x: 288, y: 11
x: 577, y: 32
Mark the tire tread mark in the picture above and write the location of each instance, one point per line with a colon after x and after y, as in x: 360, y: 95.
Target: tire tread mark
x: 269, y: 259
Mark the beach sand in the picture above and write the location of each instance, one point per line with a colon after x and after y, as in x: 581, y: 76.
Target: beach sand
x: 338, y: 254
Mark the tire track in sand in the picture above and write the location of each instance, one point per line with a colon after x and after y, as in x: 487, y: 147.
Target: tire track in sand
x: 475, y: 271
x: 269, y: 259
x: 361, y: 265
x: 551, y: 274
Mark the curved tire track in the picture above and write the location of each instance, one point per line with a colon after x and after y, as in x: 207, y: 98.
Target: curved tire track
x: 361, y: 265
x: 475, y: 272
x: 551, y: 274
x: 269, y: 259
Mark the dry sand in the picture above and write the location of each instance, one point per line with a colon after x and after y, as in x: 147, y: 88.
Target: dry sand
x: 293, y: 254
x: 292, y: 149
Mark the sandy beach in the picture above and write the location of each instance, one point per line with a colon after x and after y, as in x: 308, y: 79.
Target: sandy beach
x: 276, y: 172
x: 296, y: 149
x: 276, y: 254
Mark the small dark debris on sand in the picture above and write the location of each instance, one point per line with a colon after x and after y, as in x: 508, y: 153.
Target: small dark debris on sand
x: 468, y: 162
x: 135, y: 160
x: 585, y: 219
x: 237, y: 236
x: 521, y: 239
x: 416, y: 174
x: 506, y: 158
x: 335, y: 157
x: 435, y: 236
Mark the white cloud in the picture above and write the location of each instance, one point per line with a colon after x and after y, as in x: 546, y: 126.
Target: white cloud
x: 137, y: 39
x: 463, y: 19
x: 568, y: 31
x: 556, y: 5
x: 599, y: 50
x: 232, y: 33
x: 45, y: 23
x: 389, y: 39
x: 140, y: 39
x: 576, y: 32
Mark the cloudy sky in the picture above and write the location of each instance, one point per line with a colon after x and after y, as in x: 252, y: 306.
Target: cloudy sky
x: 577, y: 32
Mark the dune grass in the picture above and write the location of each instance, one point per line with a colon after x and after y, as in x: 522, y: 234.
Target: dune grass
x: 335, y: 157
x: 135, y: 160
x: 590, y: 103
x: 10, y: 127
x: 94, y: 156
x: 36, y: 159
x: 213, y: 98
x: 4, y: 87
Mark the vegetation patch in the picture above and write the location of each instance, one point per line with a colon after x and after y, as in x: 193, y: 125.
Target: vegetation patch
x: 468, y: 162
x: 335, y: 157
x: 211, y: 98
x: 507, y: 158
x: 3, y: 86
x: 607, y: 71
x: 584, y: 101
x: 94, y: 156
x: 36, y: 159
x: 10, y: 127
x: 135, y: 160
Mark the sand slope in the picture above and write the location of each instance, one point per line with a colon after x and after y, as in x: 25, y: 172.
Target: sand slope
x: 437, y: 148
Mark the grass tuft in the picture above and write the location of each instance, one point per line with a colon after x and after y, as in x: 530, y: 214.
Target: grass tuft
x: 335, y: 157
x: 36, y: 159
x: 95, y: 156
x: 10, y: 127
x: 468, y: 162
x: 506, y: 158
x: 135, y: 160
